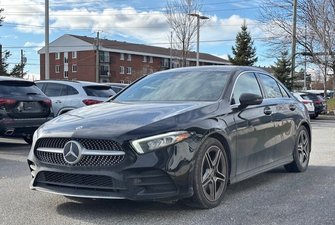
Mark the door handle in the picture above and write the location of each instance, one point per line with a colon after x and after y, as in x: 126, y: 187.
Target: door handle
x: 292, y: 107
x: 267, y: 111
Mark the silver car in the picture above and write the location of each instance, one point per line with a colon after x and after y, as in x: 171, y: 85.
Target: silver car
x: 68, y: 95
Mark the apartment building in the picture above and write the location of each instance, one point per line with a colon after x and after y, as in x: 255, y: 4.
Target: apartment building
x: 101, y: 60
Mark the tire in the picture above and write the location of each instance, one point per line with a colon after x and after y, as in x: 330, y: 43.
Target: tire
x: 301, y: 152
x: 210, y: 175
x: 28, y: 139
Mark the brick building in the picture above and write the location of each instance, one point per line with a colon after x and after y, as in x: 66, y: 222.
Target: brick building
x: 75, y: 57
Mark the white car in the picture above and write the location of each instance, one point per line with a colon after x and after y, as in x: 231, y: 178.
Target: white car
x: 308, y: 103
x: 67, y: 95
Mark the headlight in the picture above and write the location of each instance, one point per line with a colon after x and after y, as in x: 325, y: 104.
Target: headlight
x: 159, y: 141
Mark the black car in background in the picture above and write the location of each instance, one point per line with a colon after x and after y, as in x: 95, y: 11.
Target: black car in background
x: 319, y: 103
x: 177, y: 134
x: 23, y: 108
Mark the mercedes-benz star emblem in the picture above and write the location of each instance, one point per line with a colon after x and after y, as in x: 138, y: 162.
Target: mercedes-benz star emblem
x: 72, y: 152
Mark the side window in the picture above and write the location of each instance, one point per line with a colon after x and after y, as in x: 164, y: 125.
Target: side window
x: 283, y: 92
x: 71, y: 90
x: 53, y: 90
x: 246, y: 83
x: 271, y: 87
x: 40, y: 85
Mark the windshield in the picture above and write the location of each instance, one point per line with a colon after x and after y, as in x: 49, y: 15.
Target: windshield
x: 177, y: 86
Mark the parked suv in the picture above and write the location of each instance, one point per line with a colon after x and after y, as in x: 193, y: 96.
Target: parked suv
x: 23, y: 108
x: 68, y: 95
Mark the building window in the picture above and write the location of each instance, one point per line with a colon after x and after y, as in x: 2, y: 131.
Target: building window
x: 128, y: 70
x: 66, y: 59
x: 145, y: 58
x: 151, y: 59
x: 57, y: 69
x: 74, y: 68
x: 66, y: 74
x: 121, y: 69
x: 74, y: 55
x: 121, y: 56
x: 129, y: 57
x: 57, y: 55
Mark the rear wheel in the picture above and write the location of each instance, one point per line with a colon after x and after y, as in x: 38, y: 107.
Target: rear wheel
x: 210, y: 175
x: 301, y: 152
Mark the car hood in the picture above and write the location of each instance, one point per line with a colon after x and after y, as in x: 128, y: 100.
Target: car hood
x: 107, y: 120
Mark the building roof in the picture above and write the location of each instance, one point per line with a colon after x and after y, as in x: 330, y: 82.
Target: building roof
x: 141, y: 48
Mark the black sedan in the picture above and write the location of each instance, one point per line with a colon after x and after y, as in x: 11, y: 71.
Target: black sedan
x: 179, y: 134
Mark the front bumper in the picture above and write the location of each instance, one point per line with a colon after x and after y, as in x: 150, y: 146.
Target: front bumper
x: 164, y: 174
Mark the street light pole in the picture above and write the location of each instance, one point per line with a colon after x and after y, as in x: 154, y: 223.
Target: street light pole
x: 46, y: 25
x: 198, y: 30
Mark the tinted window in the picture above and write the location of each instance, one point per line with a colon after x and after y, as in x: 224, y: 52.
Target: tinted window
x: 70, y: 90
x: 177, y: 86
x: 246, y: 83
x: 283, y: 92
x: 18, y: 88
x: 99, y: 91
x: 270, y: 85
x: 53, y: 90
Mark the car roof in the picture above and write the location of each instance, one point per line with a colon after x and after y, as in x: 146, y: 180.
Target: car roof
x: 7, y: 78
x: 73, y: 82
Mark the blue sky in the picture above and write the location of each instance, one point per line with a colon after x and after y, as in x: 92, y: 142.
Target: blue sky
x: 137, y: 21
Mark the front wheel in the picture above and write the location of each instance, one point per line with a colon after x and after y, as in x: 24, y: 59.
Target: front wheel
x: 301, y: 152
x: 210, y: 175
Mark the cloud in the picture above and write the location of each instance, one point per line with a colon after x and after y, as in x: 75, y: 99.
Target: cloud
x: 149, y: 27
x: 37, y: 46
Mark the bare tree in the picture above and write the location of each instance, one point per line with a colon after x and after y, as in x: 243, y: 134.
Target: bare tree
x: 315, y: 29
x: 184, y: 27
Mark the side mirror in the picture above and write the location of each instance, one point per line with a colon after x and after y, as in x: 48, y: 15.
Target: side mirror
x: 247, y: 99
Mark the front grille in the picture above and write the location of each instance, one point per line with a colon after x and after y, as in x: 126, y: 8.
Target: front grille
x: 90, y: 144
x: 83, y: 181
x: 86, y: 160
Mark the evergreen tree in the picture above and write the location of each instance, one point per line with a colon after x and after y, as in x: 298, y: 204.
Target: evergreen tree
x: 282, y: 69
x: 244, y: 52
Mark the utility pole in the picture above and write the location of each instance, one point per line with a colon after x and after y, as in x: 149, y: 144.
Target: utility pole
x: 0, y: 55
x: 47, y: 62
x: 171, y: 50
x: 21, y: 68
x: 97, y: 59
x: 294, y: 40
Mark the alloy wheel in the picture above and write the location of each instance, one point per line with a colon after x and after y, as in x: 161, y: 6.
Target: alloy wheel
x: 213, y: 173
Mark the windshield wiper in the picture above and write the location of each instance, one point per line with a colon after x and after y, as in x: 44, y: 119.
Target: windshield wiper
x: 32, y: 93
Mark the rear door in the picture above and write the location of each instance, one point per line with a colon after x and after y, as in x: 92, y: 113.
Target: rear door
x: 283, y: 115
x: 23, y: 99
x: 64, y: 97
x: 254, y: 127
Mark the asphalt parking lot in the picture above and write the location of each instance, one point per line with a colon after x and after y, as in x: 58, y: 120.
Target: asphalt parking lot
x: 275, y: 197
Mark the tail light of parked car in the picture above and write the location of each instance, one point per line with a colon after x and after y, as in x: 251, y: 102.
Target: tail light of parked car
x: 91, y: 101
x: 47, y: 102
x: 7, y: 101
x: 306, y: 102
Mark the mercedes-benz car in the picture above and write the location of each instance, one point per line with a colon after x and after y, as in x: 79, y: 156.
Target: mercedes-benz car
x: 181, y: 134
x: 23, y: 108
